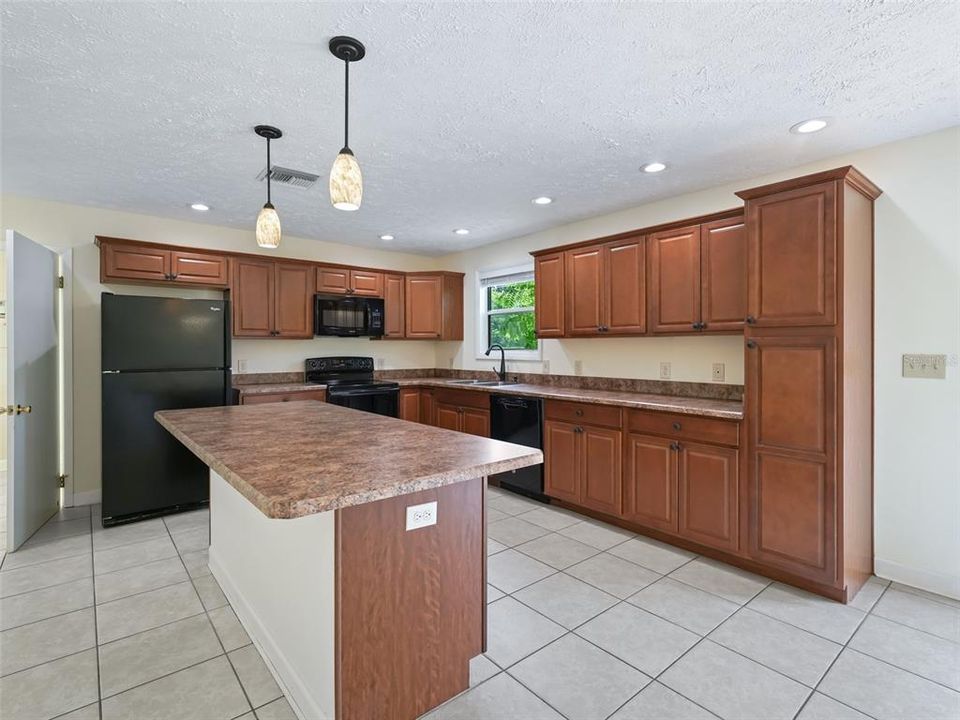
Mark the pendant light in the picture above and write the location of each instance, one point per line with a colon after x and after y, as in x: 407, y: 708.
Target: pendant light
x: 346, y: 181
x: 268, y: 222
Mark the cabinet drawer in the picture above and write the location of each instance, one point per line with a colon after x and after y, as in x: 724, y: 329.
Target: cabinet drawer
x: 687, y: 427
x: 246, y: 399
x: 463, y: 398
x: 577, y: 412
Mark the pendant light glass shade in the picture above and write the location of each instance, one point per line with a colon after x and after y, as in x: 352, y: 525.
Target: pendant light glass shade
x: 268, y: 227
x: 346, y: 182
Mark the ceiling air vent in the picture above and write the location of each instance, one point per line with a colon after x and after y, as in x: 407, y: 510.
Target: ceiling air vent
x: 286, y: 176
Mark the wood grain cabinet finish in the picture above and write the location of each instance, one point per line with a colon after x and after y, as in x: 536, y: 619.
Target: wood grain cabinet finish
x: 650, y: 481
x: 366, y: 283
x: 723, y: 274
x: 261, y: 398
x: 434, y: 306
x: 600, y: 471
x: 272, y: 299
x: 561, y: 478
x: 674, y: 280
x: 124, y: 260
x: 409, y: 404
x: 462, y: 410
x: 394, y: 306
x: 584, y: 291
x: 333, y: 280
x: 549, y: 291
x: 349, y: 281
x: 792, y: 257
x: 604, y: 287
x: 708, y: 495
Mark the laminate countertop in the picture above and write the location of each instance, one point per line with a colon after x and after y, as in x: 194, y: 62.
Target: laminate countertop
x: 300, y: 458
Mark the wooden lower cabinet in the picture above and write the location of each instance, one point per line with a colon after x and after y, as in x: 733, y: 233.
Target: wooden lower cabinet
x: 708, y: 481
x: 475, y: 421
x: 260, y: 398
x: 446, y: 416
x: 464, y: 411
x: 583, y: 465
x: 650, y: 482
x: 561, y: 477
x: 409, y: 404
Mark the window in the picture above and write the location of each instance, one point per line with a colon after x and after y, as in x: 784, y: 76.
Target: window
x: 506, y: 301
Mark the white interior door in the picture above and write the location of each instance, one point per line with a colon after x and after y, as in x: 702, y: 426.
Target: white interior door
x: 33, y: 482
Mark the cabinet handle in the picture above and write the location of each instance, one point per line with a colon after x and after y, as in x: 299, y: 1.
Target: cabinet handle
x: 674, y: 446
x: 676, y: 426
x: 173, y: 276
x: 751, y: 320
x: 578, y: 429
x: 751, y: 344
x: 578, y: 413
x: 703, y: 326
x: 695, y: 326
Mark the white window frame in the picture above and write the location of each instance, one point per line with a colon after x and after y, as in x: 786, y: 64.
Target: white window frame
x: 482, y: 341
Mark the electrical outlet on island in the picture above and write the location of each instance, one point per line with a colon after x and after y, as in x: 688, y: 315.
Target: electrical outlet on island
x: 664, y: 371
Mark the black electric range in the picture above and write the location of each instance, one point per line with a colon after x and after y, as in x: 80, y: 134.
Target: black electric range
x: 350, y: 383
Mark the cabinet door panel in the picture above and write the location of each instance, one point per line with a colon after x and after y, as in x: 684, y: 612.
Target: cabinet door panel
x: 446, y: 416
x: 364, y: 282
x: 409, y: 404
x: 475, y: 421
x: 333, y: 280
x: 723, y: 274
x: 393, y: 305
x: 198, y: 268
x: 423, y: 311
x: 132, y: 262
x: 549, y: 289
x: 674, y: 280
x: 791, y: 257
x: 427, y: 407
x: 561, y: 474
x: 650, y: 482
x: 294, y: 306
x: 252, y: 298
x: 626, y: 300
x: 247, y: 399
x: 583, y: 282
x: 708, y: 495
x: 600, y: 479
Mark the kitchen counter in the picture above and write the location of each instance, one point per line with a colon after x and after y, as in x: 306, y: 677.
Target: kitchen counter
x: 272, y: 388
x: 299, y: 458
x: 723, y: 409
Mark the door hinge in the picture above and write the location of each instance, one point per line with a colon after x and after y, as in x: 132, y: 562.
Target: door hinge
x: 63, y: 479
x: 60, y: 281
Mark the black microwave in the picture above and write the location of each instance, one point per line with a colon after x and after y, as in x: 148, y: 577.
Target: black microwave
x: 347, y: 316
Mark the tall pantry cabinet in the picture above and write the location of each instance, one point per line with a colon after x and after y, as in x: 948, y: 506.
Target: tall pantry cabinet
x: 809, y: 378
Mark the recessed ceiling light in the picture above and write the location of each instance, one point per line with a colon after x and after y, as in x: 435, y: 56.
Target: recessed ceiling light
x: 462, y: 231
x: 200, y: 207
x: 809, y: 126
x: 542, y: 200
x: 654, y: 167
x: 386, y: 237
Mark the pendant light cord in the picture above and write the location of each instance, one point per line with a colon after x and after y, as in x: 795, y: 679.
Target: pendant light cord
x: 269, y: 171
x: 346, y: 104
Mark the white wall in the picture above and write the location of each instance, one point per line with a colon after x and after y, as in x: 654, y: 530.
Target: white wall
x: 917, y: 297
x: 69, y: 226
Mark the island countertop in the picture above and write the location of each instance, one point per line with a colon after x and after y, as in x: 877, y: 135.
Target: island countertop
x: 300, y: 458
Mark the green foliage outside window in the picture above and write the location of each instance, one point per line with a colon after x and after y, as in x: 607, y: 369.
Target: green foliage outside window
x: 512, y: 330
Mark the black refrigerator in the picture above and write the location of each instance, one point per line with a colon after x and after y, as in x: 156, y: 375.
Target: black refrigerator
x: 157, y: 354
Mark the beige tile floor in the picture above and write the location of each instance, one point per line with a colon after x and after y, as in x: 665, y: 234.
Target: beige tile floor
x: 585, y: 621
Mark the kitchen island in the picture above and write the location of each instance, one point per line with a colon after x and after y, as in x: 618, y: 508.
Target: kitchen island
x: 352, y: 548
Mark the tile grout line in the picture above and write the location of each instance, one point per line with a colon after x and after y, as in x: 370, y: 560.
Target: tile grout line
x: 96, y: 627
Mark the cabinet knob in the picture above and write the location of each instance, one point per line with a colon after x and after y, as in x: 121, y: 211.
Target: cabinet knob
x: 751, y: 344
x: 676, y: 426
x: 674, y: 446
x: 578, y: 412
x: 173, y: 276
x: 703, y: 326
x: 751, y: 320
x: 578, y: 429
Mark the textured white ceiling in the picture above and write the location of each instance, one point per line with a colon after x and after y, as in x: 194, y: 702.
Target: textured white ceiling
x: 461, y: 112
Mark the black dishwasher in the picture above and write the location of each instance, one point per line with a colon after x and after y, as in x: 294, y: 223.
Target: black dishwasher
x: 518, y: 420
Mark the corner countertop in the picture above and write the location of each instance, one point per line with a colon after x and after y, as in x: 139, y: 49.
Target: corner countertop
x: 272, y: 388
x: 300, y: 458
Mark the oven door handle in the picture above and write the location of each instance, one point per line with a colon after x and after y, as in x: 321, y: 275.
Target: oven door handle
x: 356, y: 393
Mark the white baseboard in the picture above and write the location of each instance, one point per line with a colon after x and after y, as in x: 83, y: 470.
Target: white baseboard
x: 90, y: 497
x: 935, y: 582
x: 293, y: 686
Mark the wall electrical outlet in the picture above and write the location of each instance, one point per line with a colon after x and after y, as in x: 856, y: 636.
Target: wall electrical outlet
x: 419, y: 516
x: 578, y: 367
x: 718, y: 372
x: 242, y: 365
x: 925, y: 366
x: 546, y: 367
x: 381, y: 363
x: 664, y: 371
x: 450, y: 363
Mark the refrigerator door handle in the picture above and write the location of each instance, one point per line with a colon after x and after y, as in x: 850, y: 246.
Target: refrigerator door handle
x: 110, y: 372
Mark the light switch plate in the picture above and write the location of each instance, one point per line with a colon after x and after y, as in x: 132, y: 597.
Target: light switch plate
x: 242, y: 365
x: 925, y: 366
x: 546, y: 367
x: 718, y: 372
x: 420, y: 516
x: 664, y: 371
x: 578, y: 367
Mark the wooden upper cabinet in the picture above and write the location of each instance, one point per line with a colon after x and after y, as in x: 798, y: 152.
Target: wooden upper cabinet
x: 394, y: 306
x: 723, y: 274
x: 584, y: 278
x: 708, y: 497
x: 333, y: 280
x: 650, y: 481
x: 252, y: 297
x: 133, y: 262
x: 124, y: 260
x: 548, y: 287
x: 434, y: 306
x: 365, y: 282
x: 294, y: 303
x: 625, y: 308
x: 792, y: 257
x: 674, y: 280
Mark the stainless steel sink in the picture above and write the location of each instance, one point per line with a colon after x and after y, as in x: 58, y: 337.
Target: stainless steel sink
x: 494, y: 383
x: 464, y: 382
